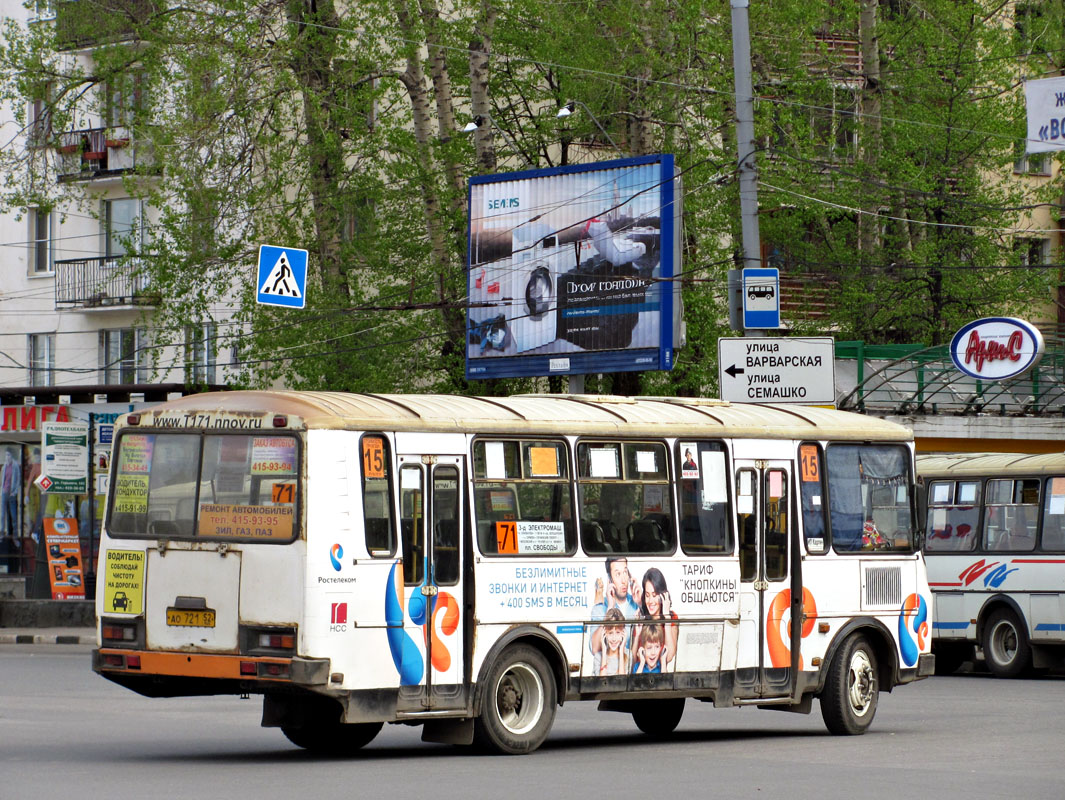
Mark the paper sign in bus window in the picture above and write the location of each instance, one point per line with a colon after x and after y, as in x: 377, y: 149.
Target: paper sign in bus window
x: 603, y: 462
x: 714, y: 484
x: 543, y: 462
x: 373, y: 457
x: 283, y: 493
x: 131, y: 494
x: 967, y: 494
x: 941, y: 493
x: 645, y: 461
x: 136, y: 454
x: 273, y: 455
x: 1057, y: 496
x: 495, y: 462
x: 810, y: 464
x: 530, y: 538
x: 246, y: 522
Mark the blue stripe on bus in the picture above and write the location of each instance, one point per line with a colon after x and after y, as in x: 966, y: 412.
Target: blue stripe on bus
x: 570, y: 629
x: 1050, y: 626
x: 951, y: 626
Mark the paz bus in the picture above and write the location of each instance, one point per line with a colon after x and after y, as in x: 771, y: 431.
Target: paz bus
x: 994, y: 531
x: 469, y: 564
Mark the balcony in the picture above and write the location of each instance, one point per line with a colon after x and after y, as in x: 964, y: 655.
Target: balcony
x: 103, y: 283
x: 97, y: 153
x: 80, y: 23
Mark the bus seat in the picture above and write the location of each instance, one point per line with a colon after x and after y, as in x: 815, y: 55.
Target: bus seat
x: 612, y: 536
x: 592, y: 537
x: 646, y: 536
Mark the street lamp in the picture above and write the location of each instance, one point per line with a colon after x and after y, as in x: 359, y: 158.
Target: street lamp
x: 479, y: 120
x: 570, y: 107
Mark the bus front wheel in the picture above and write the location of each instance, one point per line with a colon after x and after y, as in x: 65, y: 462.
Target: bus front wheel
x: 519, y: 702
x: 658, y: 718
x: 848, y: 702
x: 1006, y: 649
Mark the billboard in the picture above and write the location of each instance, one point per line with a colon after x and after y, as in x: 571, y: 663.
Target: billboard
x: 570, y: 269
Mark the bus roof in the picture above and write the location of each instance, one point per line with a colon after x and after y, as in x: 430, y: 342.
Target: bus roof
x: 991, y: 464
x: 541, y: 414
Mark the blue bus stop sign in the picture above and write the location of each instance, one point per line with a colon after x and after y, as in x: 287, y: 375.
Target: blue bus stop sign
x: 761, y: 298
x: 282, y: 277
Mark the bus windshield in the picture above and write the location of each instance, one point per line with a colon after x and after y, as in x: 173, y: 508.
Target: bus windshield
x: 875, y: 479
x: 213, y: 486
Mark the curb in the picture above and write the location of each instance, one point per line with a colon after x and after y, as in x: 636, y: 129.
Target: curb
x: 46, y: 638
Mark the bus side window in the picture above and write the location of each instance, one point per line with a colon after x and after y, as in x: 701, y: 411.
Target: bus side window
x: 703, y: 484
x: 377, y: 496
x: 412, y: 523
x: 1054, y: 515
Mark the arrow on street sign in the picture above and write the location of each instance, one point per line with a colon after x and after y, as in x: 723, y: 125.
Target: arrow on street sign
x: 733, y: 370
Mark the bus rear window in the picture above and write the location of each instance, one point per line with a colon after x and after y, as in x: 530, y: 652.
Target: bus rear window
x: 213, y: 486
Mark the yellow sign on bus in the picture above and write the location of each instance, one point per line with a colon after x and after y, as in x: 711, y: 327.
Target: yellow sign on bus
x: 124, y: 582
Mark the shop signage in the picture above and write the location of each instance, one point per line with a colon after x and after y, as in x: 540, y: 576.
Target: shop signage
x: 996, y: 348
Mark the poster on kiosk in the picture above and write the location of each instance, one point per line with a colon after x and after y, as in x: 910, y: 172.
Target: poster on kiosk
x: 570, y: 269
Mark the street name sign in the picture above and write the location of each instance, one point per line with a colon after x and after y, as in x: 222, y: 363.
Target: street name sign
x: 775, y: 370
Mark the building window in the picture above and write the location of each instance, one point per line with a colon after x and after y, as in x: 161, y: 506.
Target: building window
x: 41, y: 348
x: 200, y: 348
x: 121, y: 226
x: 39, y: 129
x: 42, y: 259
x: 124, y: 100
x: 1025, y: 163
x: 1032, y: 252
x: 41, y: 10
x: 122, y: 357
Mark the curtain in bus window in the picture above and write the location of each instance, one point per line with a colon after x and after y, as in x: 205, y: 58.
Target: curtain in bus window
x: 869, y: 499
x: 953, y: 516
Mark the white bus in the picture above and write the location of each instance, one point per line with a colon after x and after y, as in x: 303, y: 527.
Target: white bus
x: 468, y: 564
x: 994, y: 530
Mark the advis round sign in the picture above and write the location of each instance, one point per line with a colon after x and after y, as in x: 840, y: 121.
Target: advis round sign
x: 996, y: 348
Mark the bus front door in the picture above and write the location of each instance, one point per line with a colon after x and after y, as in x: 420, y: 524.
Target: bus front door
x: 763, y: 514
x: 431, y: 517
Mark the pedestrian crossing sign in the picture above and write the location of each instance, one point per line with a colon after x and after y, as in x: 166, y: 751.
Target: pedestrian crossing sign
x: 282, y: 276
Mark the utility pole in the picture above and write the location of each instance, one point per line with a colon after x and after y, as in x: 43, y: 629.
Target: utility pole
x: 748, y: 175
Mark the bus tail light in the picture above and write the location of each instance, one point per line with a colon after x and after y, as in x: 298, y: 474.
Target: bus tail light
x: 280, y: 421
x: 263, y: 641
x: 247, y: 667
x: 133, y: 419
x: 118, y: 633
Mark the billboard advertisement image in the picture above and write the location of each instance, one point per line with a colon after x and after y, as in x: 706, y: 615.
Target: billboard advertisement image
x: 570, y: 269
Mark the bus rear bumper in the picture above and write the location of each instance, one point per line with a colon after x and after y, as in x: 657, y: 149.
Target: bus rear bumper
x: 178, y: 673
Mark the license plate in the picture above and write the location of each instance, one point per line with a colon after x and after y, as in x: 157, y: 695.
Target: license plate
x: 190, y: 617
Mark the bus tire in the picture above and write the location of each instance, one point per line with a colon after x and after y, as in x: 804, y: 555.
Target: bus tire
x: 658, y: 718
x: 1006, y: 649
x: 333, y: 740
x: 519, y: 702
x: 848, y: 701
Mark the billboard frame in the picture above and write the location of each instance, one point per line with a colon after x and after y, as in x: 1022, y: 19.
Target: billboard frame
x: 567, y: 358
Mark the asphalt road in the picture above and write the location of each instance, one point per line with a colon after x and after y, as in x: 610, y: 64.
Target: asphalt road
x: 65, y: 732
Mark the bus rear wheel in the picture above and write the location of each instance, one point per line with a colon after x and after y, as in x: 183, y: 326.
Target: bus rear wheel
x: 848, y: 701
x: 658, y: 718
x: 336, y: 739
x: 519, y: 702
x: 1006, y: 649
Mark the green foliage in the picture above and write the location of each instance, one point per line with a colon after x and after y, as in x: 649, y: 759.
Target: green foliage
x: 334, y: 127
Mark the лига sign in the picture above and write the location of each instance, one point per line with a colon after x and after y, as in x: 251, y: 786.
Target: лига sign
x: 996, y: 348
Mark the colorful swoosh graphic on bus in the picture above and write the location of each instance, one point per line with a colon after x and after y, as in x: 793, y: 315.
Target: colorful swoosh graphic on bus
x: 779, y: 651
x: 913, y: 628
x: 429, y: 612
x: 405, y: 653
x: 993, y: 574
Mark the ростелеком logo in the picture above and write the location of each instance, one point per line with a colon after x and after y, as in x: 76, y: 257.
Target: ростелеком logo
x: 336, y: 552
